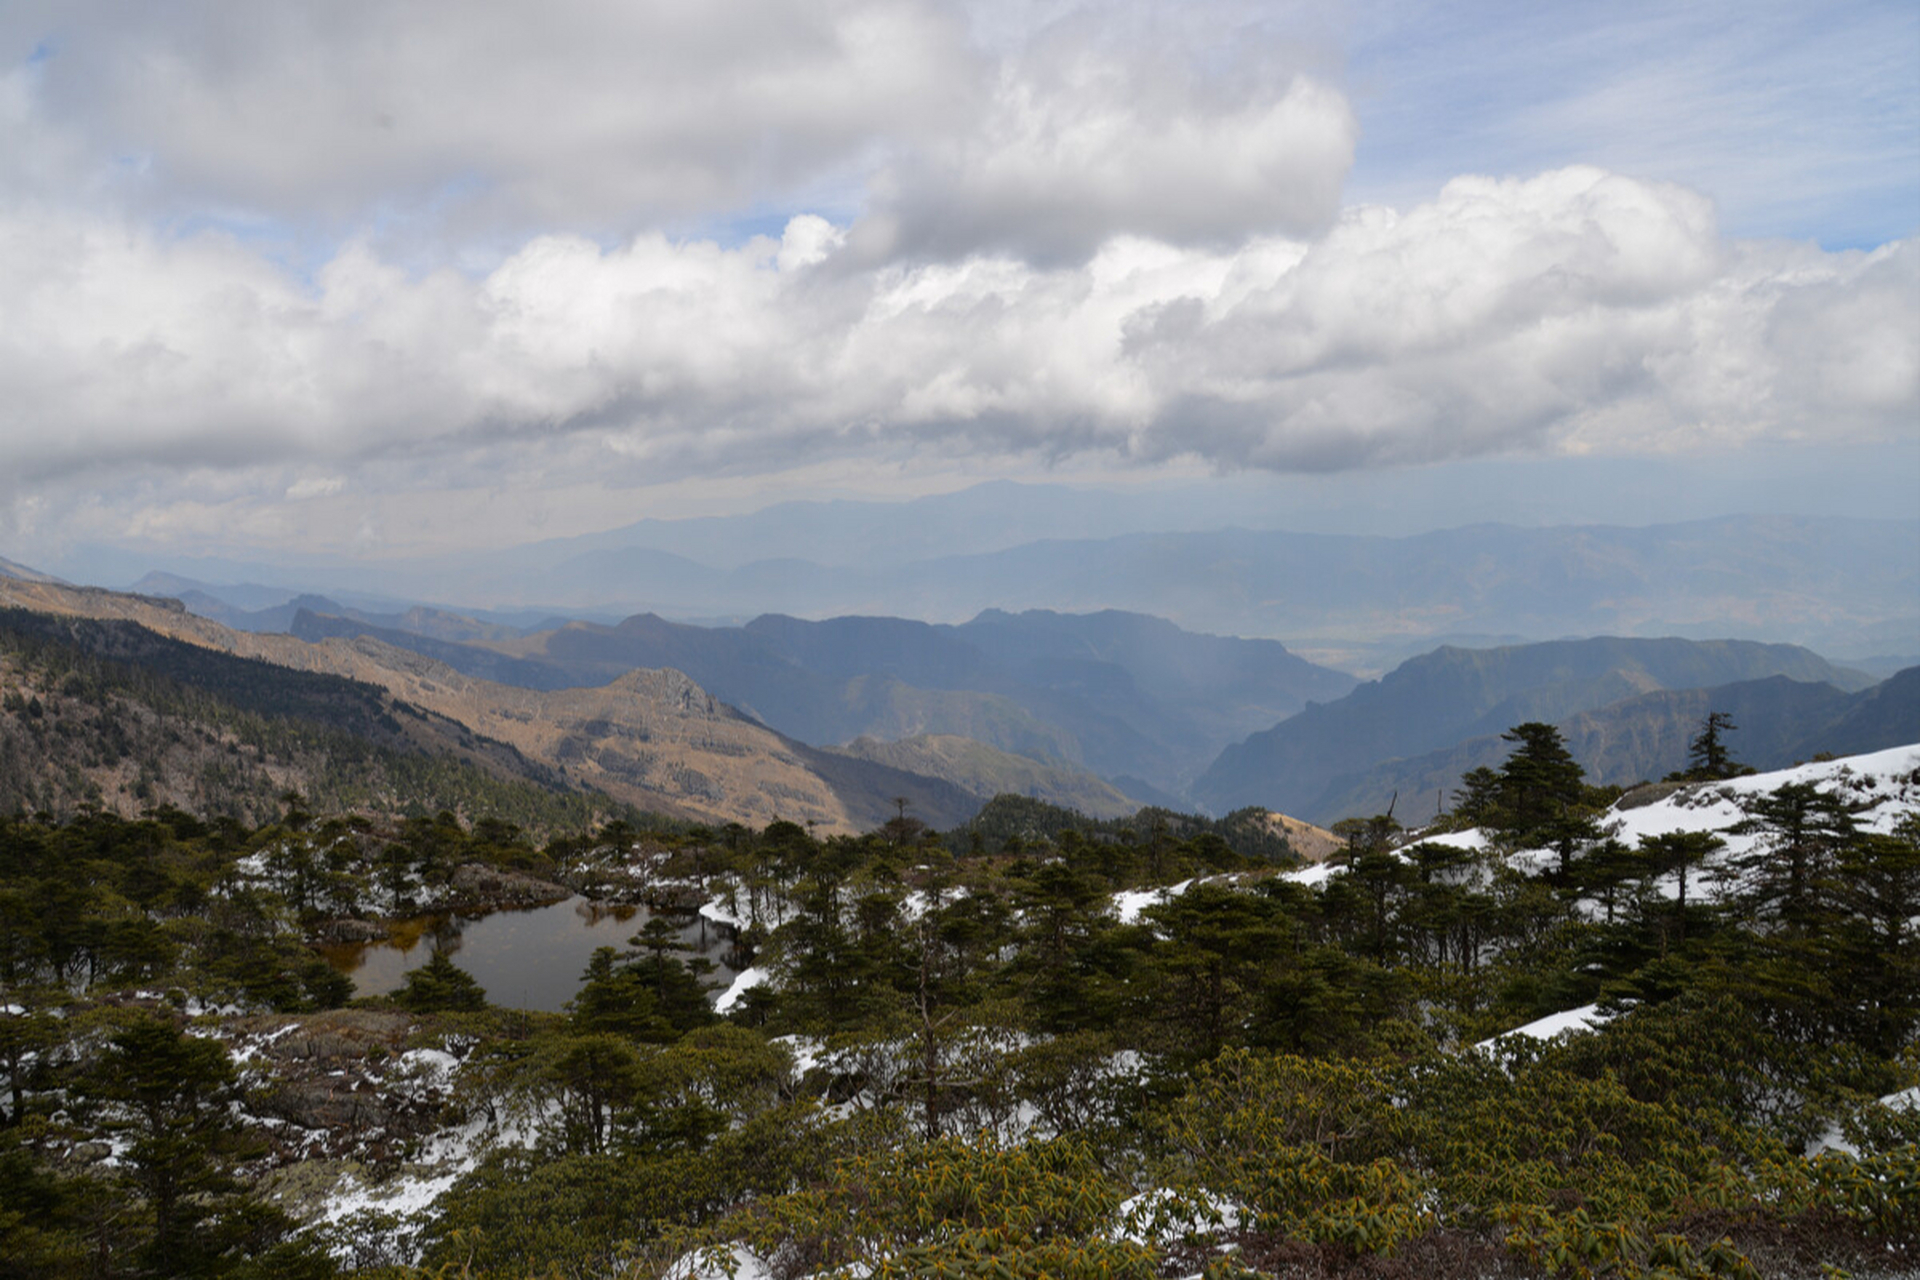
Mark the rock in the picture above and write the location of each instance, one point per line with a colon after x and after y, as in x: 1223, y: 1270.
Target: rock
x: 337, y: 1105
x: 302, y: 1188
x: 494, y: 887
x: 1649, y: 793
x: 674, y: 898
x: 352, y: 931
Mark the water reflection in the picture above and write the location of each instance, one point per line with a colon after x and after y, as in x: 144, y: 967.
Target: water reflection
x: 527, y: 959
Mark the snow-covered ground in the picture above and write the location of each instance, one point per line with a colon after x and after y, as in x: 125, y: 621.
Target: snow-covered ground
x: 1553, y: 1026
x: 743, y: 982
x: 1879, y: 791
x: 1128, y: 906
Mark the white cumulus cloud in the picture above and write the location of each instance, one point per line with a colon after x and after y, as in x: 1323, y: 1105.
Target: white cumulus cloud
x: 1574, y: 311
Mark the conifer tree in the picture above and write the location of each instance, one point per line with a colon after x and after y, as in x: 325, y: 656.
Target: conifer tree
x: 440, y: 985
x: 1782, y: 878
x: 1539, y: 784
x: 1708, y: 759
x: 171, y: 1095
x: 1679, y: 852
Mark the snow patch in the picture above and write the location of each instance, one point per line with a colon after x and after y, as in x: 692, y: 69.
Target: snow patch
x: 1163, y: 1216
x: 743, y: 982
x: 735, y: 1263
x: 1314, y: 876
x: 1127, y: 906
x: 1569, y: 1022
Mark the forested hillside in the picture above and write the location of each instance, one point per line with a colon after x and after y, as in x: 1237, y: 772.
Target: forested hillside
x: 102, y: 715
x: 652, y: 739
x: 1042, y: 1047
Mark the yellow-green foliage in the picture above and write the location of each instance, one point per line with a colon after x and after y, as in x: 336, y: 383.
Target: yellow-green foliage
x: 1497, y: 1135
x: 955, y: 1207
x: 1301, y: 1146
x: 1579, y: 1246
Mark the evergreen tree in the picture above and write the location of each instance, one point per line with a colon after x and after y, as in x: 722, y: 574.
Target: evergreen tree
x: 173, y: 1097
x: 1783, y: 877
x: 673, y: 975
x: 593, y: 1079
x: 1219, y: 945
x: 1539, y: 784
x: 1708, y: 759
x: 616, y: 999
x: 1477, y: 802
x: 1678, y: 853
x: 439, y: 986
x: 1064, y: 963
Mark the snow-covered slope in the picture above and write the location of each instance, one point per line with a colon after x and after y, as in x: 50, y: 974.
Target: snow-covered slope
x: 1879, y: 791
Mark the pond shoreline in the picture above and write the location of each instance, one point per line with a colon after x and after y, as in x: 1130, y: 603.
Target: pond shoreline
x: 516, y: 944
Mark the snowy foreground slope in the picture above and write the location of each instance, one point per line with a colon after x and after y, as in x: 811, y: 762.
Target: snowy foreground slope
x: 1880, y: 789
x: 1880, y: 792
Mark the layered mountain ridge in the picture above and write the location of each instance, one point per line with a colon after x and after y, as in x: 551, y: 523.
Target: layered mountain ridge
x: 1098, y: 712
x: 1114, y: 693
x: 1358, y: 601
x: 1626, y: 706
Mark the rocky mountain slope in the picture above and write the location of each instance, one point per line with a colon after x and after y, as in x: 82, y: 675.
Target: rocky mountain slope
x: 651, y: 738
x: 108, y: 716
x: 986, y: 772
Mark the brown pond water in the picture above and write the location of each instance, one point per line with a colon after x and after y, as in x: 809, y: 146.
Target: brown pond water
x: 525, y: 959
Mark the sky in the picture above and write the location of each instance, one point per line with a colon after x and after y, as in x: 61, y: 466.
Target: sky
x: 371, y: 279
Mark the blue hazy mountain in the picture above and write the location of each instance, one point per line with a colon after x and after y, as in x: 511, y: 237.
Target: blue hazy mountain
x: 1313, y: 764
x: 1117, y: 693
x: 1849, y: 587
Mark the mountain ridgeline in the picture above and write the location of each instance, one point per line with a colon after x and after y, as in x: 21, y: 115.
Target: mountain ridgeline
x: 650, y: 739
x: 109, y: 715
x: 840, y: 722
x: 1844, y: 586
x: 1135, y: 701
x: 1115, y: 693
x: 1627, y: 707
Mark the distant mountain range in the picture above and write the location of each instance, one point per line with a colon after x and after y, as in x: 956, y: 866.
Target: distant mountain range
x: 835, y: 721
x: 255, y: 607
x: 1810, y: 581
x: 1153, y: 710
x: 982, y: 770
x: 1842, y: 586
x: 8, y: 569
x: 1115, y: 693
x: 1779, y: 723
x: 1627, y: 708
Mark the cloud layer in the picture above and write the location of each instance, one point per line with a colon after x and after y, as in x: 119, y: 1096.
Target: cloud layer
x: 1577, y: 310
x: 320, y: 240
